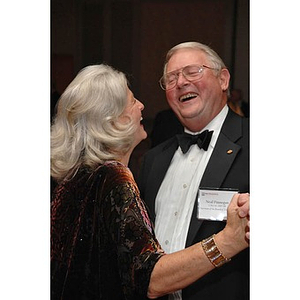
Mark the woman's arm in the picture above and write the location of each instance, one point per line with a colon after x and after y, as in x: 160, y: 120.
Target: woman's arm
x: 175, y: 271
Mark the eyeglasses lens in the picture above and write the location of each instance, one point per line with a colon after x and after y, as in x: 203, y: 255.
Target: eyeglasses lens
x: 189, y: 72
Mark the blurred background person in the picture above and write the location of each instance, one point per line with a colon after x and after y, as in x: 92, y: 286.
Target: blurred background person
x: 237, y: 104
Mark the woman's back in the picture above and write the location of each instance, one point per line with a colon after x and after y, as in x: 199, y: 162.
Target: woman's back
x: 96, y: 226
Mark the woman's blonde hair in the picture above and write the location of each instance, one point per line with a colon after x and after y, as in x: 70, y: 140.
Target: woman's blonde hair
x: 86, y: 130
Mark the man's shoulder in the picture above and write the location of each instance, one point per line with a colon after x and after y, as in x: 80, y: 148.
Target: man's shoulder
x: 234, y: 124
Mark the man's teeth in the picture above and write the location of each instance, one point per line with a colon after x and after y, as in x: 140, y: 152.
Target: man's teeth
x: 187, y: 97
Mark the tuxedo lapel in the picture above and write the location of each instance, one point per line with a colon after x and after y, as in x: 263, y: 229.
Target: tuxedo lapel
x: 219, y: 164
x: 224, y: 153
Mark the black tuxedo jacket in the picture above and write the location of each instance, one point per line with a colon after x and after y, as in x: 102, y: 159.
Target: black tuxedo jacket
x: 224, y: 170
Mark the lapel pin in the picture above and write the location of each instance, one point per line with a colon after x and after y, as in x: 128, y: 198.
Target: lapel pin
x: 229, y: 151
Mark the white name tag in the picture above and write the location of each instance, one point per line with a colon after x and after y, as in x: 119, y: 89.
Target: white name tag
x: 213, y: 203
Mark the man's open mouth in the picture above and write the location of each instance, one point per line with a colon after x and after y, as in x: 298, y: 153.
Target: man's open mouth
x: 187, y: 97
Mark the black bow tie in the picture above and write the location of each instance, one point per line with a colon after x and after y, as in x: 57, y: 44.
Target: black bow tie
x: 186, y: 140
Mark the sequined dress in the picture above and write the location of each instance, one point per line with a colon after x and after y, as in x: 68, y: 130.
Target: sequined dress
x: 102, y: 241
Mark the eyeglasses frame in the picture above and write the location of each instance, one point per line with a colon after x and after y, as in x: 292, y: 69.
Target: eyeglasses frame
x: 177, y: 72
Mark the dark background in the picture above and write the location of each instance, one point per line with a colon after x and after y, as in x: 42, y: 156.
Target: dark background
x: 134, y: 36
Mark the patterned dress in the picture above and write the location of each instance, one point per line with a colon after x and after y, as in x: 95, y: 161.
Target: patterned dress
x: 102, y: 241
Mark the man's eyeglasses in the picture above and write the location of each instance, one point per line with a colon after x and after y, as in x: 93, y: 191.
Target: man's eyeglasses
x: 190, y: 72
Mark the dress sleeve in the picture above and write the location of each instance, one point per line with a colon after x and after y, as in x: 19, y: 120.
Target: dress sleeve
x: 132, y: 232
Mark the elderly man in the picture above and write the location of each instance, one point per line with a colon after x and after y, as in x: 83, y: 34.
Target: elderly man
x: 212, y: 153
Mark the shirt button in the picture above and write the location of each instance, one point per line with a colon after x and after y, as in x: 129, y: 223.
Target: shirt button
x: 184, y: 185
x: 166, y: 242
x: 176, y: 213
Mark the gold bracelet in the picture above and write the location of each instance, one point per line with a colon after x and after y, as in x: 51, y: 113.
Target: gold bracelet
x: 213, y: 253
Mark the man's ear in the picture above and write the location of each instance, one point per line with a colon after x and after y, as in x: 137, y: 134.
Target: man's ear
x: 224, y: 78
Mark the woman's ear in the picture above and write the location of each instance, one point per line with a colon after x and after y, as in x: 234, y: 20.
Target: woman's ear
x: 224, y: 78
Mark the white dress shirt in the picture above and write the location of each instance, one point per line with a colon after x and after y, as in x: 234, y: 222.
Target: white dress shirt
x: 177, y: 194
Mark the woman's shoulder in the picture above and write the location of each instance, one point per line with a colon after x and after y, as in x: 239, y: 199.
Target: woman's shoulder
x: 115, y: 167
x: 115, y: 172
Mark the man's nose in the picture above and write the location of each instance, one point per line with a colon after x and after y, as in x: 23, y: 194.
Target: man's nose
x: 181, y: 80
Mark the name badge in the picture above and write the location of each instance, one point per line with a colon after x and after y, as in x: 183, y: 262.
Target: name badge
x: 213, y: 203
